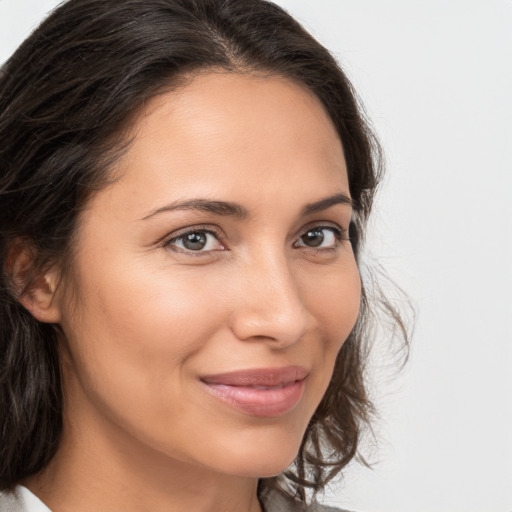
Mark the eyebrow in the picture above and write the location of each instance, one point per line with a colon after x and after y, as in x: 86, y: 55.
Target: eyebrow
x: 223, y: 208
x: 323, y: 204
x: 229, y: 209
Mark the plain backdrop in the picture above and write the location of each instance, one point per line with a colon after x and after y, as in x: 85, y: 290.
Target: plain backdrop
x: 436, y: 79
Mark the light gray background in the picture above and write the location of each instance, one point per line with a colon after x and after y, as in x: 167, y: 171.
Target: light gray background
x: 436, y: 78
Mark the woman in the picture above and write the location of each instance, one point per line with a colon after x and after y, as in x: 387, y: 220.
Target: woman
x: 184, y: 188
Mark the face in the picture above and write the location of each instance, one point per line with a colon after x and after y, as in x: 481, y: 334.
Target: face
x: 213, y: 283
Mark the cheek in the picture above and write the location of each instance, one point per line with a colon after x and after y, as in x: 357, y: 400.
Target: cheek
x: 131, y: 337
x: 334, y: 298
x: 129, y: 332
x: 341, y: 320
x: 142, y: 310
x: 137, y: 333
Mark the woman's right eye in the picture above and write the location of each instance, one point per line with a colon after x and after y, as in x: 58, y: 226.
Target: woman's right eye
x: 195, y: 241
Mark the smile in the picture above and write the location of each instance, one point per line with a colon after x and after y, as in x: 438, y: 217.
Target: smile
x: 259, y: 392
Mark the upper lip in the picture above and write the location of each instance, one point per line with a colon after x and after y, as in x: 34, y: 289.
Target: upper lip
x: 258, y: 377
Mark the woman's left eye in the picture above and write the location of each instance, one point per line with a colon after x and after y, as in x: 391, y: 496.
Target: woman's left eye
x: 321, y: 237
x: 195, y: 241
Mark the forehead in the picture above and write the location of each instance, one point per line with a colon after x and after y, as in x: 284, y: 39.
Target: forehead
x: 226, y: 134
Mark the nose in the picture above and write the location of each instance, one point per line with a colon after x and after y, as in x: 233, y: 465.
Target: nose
x: 269, y: 307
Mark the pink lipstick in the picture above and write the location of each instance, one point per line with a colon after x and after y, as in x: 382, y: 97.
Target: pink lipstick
x: 262, y: 392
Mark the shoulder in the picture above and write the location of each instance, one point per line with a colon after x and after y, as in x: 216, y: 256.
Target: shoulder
x: 274, y: 501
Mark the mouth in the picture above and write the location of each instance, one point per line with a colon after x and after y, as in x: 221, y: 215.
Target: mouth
x: 264, y: 392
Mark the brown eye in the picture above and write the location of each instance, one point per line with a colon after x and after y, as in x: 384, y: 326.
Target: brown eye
x: 313, y: 238
x: 322, y: 237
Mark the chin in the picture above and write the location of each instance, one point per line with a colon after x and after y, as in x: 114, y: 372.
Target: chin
x: 263, y: 456
x: 264, y: 466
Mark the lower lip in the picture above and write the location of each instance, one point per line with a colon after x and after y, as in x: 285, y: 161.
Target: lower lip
x: 260, y: 402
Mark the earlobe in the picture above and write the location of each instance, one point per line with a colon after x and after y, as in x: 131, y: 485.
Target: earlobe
x: 33, y: 290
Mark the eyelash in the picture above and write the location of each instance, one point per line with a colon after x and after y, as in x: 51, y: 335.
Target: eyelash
x: 340, y: 235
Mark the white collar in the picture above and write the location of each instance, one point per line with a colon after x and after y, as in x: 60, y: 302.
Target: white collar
x: 21, y: 500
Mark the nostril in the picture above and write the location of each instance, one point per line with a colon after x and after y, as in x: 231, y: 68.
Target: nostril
x: 280, y: 329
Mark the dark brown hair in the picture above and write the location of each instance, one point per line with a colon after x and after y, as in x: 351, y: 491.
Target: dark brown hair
x: 65, y: 97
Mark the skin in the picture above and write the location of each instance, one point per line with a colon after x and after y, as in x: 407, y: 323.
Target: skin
x: 144, y: 317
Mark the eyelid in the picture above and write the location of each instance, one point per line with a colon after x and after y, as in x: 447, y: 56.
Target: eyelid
x: 323, y: 225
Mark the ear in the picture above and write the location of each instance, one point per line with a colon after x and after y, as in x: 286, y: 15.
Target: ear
x: 34, y: 290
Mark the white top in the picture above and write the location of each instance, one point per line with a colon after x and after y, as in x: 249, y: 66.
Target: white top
x: 22, y: 500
